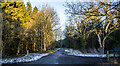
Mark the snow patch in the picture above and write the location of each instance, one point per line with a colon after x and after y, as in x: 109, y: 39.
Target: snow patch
x: 57, y: 49
x: 78, y: 53
x: 31, y: 57
x: 72, y: 51
x: 56, y: 63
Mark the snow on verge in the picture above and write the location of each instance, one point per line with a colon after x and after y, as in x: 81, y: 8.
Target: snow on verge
x: 78, y: 53
x: 31, y: 57
x: 57, y: 49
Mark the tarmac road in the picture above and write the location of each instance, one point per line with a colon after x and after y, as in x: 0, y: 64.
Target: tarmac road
x: 59, y: 57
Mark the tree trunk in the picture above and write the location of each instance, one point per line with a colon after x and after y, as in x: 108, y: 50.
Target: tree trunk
x: 41, y: 48
x: 26, y: 48
x: 103, y: 46
x: 27, y: 52
x: 99, y: 40
x: 1, y: 44
x: 101, y: 50
x: 44, y: 47
x: 103, y: 43
x: 34, y: 47
x: 22, y: 48
x: 18, y: 50
x: 41, y: 41
x: 44, y: 42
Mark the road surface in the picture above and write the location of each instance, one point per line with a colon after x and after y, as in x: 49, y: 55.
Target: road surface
x: 60, y: 58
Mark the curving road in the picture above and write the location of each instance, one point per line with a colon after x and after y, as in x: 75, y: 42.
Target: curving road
x: 60, y: 58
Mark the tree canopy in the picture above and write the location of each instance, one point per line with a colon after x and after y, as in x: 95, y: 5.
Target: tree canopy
x: 25, y: 29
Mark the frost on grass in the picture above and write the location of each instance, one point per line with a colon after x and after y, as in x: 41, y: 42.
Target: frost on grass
x: 78, y: 53
x: 31, y: 57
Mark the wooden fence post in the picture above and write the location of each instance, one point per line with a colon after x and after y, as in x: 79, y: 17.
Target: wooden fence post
x: 27, y: 52
x: 108, y: 56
